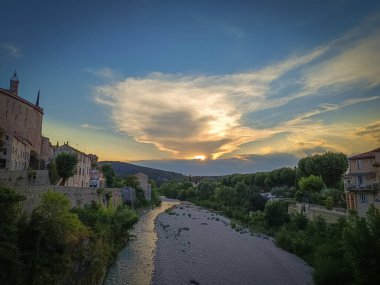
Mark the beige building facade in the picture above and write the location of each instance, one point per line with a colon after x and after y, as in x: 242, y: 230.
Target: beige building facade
x: 16, y: 153
x: 20, y: 117
x: 362, y: 181
x: 83, y: 175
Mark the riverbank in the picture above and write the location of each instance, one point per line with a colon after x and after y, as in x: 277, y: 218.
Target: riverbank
x: 196, y: 246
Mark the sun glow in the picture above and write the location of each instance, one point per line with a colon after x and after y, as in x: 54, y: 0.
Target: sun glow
x: 200, y: 157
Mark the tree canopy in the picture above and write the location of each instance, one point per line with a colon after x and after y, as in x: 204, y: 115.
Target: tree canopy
x: 66, y: 163
x: 330, y: 166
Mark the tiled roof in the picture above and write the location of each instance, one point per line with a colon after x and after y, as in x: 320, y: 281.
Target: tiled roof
x: 369, y: 154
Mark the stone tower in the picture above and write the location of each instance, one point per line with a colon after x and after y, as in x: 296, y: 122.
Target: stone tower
x: 13, y: 86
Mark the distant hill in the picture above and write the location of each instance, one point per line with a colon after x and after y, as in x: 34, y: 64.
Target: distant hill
x: 159, y: 176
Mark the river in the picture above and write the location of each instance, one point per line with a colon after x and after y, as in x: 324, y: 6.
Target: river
x: 135, y: 263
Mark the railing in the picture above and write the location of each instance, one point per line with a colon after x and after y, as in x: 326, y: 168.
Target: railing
x: 373, y: 186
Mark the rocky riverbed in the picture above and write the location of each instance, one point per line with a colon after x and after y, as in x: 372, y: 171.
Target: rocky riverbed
x: 196, y: 246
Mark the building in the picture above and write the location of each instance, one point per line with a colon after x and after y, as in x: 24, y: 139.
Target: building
x: 361, y: 183
x: 82, y: 177
x: 96, y: 178
x: 145, y: 186
x: 46, y: 153
x: 19, y: 117
x: 16, y: 153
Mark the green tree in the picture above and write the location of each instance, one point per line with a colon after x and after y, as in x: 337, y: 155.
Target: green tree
x: 53, y: 173
x: 330, y: 166
x: 311, y: 185
x: 56, y: 237
x: 10, y: 256
x: 109, y: 174
x: 276, y: 213
x: 66, y: 164
x: 361, y: 241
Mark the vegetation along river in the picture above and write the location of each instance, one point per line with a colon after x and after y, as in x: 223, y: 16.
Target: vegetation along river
x: 135, y: 263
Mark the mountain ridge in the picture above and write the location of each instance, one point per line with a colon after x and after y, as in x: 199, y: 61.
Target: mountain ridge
x: 158, y: 175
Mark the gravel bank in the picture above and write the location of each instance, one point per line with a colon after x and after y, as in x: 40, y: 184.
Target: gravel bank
x: 196, y: 246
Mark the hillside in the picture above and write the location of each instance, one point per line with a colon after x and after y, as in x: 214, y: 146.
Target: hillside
x: 159, y: 176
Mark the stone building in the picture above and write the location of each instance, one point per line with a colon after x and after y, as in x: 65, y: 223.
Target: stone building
x: 19, y: 117
x: 15, y: 154
x: 82, y: 177
x: 145, y: 186
x: 361, y: 183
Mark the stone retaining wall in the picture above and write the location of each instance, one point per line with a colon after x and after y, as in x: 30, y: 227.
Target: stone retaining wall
x: 78, y: 196
x: 22, y: 178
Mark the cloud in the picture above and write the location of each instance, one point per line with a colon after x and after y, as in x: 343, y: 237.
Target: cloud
x: 370, y: 132
x: 88, y: 126
x: 12, y: 50
x: 104, y: 73
x: 242, y: 164
x: 190, y: 115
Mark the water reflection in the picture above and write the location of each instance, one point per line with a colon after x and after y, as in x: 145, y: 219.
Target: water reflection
x: 135, y: 263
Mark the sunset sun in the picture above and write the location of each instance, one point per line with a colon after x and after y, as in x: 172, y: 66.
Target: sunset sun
x: 199, y: 157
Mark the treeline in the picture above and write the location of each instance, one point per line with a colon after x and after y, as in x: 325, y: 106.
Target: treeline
x: 59, y: 245
x: 316, y: 179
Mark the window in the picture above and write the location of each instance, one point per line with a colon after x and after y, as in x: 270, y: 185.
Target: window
x: 363, y: 198
x: 6, y: 137
x: 359, y: 164
x: 360, y: 179
x: 5, y: 151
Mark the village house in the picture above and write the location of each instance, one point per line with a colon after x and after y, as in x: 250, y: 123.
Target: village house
x: 145, y: 186
x: 82, y: 176
x: 361, y: 183
x: 15, y: 153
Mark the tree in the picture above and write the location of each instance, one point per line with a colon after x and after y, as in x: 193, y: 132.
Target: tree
x: 330, y: 166
x: 276, y: 213
x: 10, y: 256
x: 56, y: 237
x: 109, y: 174
x: 66, y: 163
x: 311, y: 185
x: 53, y: 173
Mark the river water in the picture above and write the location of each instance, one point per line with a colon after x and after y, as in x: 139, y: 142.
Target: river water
x: 135, y: 263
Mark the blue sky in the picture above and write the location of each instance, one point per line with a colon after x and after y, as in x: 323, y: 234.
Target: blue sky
x: 163, y: 82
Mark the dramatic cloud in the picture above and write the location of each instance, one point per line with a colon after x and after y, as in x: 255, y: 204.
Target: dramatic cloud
x: 192, y: 115
x: 243, y: 164
x: 12, y: 50
x: 370, y: 132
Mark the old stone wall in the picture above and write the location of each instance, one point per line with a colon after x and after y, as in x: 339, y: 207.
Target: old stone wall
x: 24, y: 178
x: 312, y: 211
x: 78, y: 196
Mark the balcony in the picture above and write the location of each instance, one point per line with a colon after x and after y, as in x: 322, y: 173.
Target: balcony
x: 364, y: 187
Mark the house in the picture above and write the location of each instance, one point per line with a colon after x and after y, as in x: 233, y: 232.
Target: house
x: 82, y: 176
x: 145, y: 186
x: 16, y: 153
x: 96, y: 178
x: 361, y: 183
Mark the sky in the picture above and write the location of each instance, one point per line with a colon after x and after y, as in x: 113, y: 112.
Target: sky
x: 199, y: 87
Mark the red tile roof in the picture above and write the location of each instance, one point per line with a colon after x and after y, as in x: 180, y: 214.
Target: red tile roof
x: 369, y: 154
